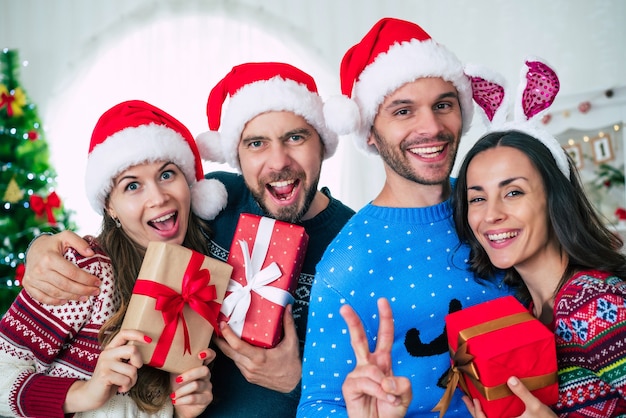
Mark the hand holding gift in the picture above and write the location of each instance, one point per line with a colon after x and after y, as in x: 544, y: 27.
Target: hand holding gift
x: 489, y: 343
x: 533, y: 407
x: 176, y: 301
x: 266, y: 256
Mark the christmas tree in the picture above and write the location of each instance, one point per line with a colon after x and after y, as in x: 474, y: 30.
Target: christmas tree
x: 30, y: 205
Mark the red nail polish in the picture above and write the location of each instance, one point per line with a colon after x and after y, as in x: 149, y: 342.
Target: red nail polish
x: 147, y: 339
x: 172, y: 395
x: 179, y: 379
x: 203, y: 355
x: 174, y: 401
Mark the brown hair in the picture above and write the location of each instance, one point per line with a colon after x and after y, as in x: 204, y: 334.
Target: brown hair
x: 579, y: 229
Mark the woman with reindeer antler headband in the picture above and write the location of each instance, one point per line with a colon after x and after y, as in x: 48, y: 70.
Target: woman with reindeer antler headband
x: 520, y: 206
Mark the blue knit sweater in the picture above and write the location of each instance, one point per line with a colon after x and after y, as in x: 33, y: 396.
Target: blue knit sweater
x: 412, y: 257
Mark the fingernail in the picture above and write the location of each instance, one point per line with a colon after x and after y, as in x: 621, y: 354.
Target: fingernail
x: 202, y: 355
x: 174, y: 401
x: 222, y: 325
x: 289, y: 308
x: 147, y: 339
x: 513, y: 381
x: 84, y: 298
x: 172, y: 395
x: 179, y: 379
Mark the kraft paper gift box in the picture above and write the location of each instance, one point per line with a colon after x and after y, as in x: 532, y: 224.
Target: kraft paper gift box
x: 493, y: 341
x: 176, y: 301
x: 266, y: 256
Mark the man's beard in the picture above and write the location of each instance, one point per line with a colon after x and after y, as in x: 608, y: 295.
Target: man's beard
x: 289, y: 213
x: 399, y: 163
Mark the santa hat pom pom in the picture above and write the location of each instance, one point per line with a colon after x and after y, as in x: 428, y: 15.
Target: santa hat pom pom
x: 208, y: 198
x: 341, y: 115
x: 209, y: 146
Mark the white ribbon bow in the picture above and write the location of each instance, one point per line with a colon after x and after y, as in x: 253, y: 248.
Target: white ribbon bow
x: 237, y: 303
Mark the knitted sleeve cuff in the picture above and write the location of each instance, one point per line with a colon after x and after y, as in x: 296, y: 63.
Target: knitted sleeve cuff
x: 44, y: 396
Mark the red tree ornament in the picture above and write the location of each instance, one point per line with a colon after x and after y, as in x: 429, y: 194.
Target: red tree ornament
x: 584, y: 107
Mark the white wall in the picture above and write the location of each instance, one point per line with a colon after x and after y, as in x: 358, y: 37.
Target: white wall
x: 67, y: 41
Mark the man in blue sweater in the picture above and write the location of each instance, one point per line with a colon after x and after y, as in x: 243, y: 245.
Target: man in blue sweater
x: 414, y: 103
x: 273, y: 131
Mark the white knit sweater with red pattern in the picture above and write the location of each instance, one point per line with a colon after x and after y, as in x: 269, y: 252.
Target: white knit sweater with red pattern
x: 45, y: 348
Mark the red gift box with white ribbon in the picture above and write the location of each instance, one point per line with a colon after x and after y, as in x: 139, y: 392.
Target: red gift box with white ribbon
x: 266, y: 256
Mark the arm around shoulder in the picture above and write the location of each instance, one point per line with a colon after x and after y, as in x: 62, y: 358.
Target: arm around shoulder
x: 52, y: 279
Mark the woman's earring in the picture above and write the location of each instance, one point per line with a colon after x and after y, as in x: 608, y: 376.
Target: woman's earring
x: 118, y: 224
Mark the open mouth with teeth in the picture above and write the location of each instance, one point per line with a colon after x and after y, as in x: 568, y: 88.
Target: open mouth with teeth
x: 165, y: 222
x: 428, y: 152
x: 502, y: 236
x: 282, y: 190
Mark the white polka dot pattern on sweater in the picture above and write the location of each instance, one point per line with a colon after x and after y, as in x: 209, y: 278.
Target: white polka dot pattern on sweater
x: 412, y: 258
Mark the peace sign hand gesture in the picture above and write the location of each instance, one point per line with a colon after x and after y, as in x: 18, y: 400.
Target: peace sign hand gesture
x: 371, y: 390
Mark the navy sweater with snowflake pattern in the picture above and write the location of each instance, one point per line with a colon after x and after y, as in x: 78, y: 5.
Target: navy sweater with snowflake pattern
x: 234, y: 396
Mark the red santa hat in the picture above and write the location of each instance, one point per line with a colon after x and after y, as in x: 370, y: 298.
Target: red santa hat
x: 135, y: 132
x: 394, y: 52
x: 256, y: 88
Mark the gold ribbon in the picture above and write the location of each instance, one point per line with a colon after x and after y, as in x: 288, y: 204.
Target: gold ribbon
x: 462, y: 363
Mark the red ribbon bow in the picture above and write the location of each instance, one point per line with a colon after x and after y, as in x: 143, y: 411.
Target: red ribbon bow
x: 195, y: 292
x: 6, y: 100
x: 40, y: 204
x: 13, y: 100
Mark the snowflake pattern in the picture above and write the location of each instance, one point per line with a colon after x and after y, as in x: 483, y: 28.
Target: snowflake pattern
x: 563, y: 331
x: 581, y: 328
x: 607, y: 310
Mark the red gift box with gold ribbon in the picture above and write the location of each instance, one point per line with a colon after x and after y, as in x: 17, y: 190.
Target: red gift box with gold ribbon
x: 493, y: 341
x: 176, y: 300
x: 266, y: 256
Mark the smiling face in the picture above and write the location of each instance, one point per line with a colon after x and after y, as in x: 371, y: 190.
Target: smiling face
x: 152, y: 202
x: 417, y: 131
x: 280, y: 155
x: 507, y: 209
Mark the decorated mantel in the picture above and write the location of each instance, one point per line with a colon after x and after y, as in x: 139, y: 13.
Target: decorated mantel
x: 591, y: 128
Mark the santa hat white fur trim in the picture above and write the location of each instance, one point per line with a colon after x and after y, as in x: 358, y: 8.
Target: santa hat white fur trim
x: 276, y: 94
x: 210, y: 146
x: 403, y: 63
x: 208, y: 198
x: 136, y: 145
x: 342, y: 115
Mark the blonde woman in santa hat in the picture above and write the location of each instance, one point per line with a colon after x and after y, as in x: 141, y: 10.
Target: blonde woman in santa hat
x: 144, y: 176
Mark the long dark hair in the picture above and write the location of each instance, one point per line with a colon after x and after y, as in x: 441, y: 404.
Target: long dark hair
x: 582, y: 234
x: 152, y: 389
